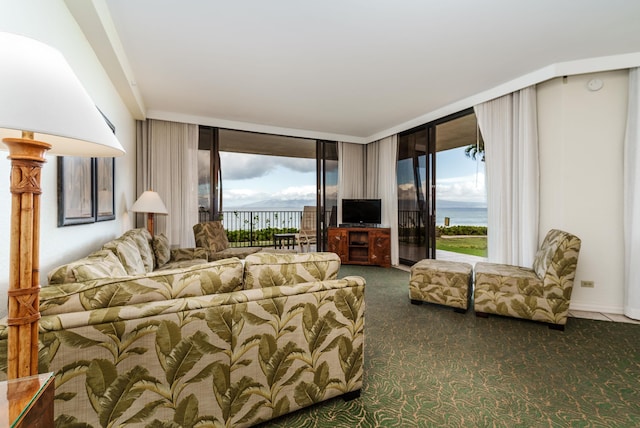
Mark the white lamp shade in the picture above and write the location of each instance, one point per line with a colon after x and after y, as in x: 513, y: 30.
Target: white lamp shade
x: 40, y: 93
x: 149, y: 202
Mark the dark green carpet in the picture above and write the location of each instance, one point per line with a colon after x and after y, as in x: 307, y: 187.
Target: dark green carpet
x: 429, y: 366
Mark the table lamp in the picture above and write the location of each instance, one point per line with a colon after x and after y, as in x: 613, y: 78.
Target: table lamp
x: 43, y: 108
x: 151, y: 203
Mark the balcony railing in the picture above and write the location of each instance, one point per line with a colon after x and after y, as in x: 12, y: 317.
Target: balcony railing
x: 410, y: 227
x: 255, y: 228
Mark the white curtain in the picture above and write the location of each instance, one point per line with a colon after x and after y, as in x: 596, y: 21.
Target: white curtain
x: 510, y: 131
x: 381, y: 182
x: 632, y: 200
x: 351, y: 170
x: 168, y: 164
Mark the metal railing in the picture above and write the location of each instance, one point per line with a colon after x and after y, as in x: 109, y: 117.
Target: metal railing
x: 255, y: 228
x: 410, y: 227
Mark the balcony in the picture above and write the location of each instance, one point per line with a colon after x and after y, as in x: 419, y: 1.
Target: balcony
x: 255, y: 228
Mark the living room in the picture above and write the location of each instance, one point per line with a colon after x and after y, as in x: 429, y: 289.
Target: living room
x: 581, y: 145
x: 574, y: 123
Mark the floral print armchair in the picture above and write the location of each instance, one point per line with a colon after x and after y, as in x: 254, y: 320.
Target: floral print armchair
x: 212, y: 236
x: 541, y: 293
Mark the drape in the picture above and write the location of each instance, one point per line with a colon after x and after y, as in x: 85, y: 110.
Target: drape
x: 510, y: 131
x: 167, y: 163
x: 351, y: 172
x: 632, y: 200
x: 381, y: 182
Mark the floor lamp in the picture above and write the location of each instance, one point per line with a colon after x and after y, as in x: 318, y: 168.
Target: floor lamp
x: 43, y: 109
x: 151, y: 203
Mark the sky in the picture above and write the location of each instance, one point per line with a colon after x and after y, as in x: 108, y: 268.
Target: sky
x: 249, y: 179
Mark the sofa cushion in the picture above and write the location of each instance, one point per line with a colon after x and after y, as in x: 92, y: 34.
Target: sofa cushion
x: 161, y: 249
x: 210, y: 278
x: 142, y: 239
x: 272, y: 269
x: 101, y: 264
x: 128, y: 253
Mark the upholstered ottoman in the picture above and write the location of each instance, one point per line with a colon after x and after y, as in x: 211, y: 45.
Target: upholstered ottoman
x: 442, y: 282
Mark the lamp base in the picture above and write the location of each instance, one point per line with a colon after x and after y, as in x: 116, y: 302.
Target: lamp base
x: 27, y: 158
x: 150, y: 223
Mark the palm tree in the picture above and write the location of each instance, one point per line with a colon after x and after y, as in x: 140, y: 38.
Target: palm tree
x: 475, y: 150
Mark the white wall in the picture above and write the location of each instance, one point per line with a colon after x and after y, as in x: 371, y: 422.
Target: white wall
x: 581, y: 151
x: 51, y: 22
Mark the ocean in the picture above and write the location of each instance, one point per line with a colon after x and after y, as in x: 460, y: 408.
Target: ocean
x: 467, y: 216
x: 462, y: 216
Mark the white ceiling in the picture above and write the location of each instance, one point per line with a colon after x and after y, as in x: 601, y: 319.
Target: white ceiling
x: 345, y: 70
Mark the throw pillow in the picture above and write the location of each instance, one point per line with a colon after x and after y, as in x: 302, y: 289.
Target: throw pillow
x: 161, y: 249
x: 142, y: 239
x: 129, y: 255
x: 97, y: 266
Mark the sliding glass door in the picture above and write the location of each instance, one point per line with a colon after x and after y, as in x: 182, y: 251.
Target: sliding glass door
x: 327, y: 168
x: 416, y: 199
x: 453, y: 144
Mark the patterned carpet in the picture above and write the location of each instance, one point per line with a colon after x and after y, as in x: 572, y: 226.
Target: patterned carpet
x: 427, y: 366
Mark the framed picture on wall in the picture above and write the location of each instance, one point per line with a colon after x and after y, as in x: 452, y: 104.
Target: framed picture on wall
x: 86, y: 188
x: 75, y: 190
x: 105, y: 198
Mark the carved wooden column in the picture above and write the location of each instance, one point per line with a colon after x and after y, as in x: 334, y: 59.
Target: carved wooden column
x: 27, y: 158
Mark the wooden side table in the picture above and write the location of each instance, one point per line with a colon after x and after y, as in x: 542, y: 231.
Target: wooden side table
x: 280, y: 238
x: 27, y: 401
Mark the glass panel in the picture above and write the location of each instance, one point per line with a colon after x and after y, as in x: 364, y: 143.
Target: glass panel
x: 204, y: 182
x: 328, y: 187
x: 461, y: 201
x: 413, y: 196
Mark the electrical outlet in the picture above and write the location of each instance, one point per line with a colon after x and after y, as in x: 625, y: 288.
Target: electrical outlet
x: 587, y: 284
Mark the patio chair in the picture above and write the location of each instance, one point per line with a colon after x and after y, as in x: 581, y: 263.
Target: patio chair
x: 307, y: 235
x: 541, y: 293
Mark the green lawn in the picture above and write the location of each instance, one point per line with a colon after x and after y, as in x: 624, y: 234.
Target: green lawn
x: 473, y: 245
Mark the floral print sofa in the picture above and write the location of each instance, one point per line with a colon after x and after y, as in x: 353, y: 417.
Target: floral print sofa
x: 541, y: 293
x: 221, y: 344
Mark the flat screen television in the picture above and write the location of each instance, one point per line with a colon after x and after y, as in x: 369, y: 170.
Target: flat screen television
x: 362, y: 211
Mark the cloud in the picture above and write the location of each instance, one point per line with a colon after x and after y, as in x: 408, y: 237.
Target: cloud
x: 296, y: 192
x: 241, y: 166
x: 470, y: 188
x: 240, y: 197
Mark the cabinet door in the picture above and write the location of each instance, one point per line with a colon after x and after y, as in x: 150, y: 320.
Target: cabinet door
x: 337, y: 243
x: 380, y: 247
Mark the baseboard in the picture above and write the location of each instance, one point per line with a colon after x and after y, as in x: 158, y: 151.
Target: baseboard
x: 596, y: 308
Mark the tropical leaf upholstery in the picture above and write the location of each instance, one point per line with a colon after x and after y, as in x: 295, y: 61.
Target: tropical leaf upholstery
x: 541, y: 293
x: 213, y: 277
x: 133, y: 253
x: 441, y: 281
x: 161, y: 249
x: 226, y: 358
x: 271, y: 269
x: 211, y: 236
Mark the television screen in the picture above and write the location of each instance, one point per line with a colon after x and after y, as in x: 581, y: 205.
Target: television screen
x: 362, y: 211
